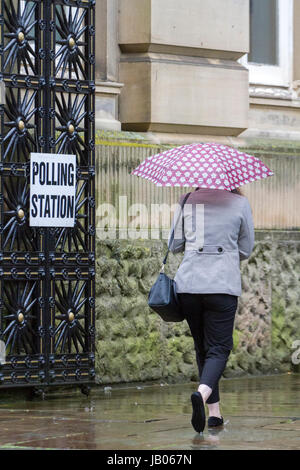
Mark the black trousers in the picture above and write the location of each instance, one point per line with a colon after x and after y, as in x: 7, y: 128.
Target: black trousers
x: 211, y: 320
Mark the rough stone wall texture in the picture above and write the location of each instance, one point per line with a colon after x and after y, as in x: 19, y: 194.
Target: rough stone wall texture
x: 133, y: 344
x: 285, y: 303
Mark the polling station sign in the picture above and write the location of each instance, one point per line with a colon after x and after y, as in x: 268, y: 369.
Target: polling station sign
x: 52, y: 190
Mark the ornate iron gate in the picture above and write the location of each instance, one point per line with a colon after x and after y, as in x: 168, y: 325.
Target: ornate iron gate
x: 47, y: 300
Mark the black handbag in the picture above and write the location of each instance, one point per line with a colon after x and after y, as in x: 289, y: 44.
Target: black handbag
x: 162, y: 297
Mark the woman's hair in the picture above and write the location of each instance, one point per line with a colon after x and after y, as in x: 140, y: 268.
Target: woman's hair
x: 237, y: 191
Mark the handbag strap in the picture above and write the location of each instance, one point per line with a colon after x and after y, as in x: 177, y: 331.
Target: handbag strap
x: 173, y: 231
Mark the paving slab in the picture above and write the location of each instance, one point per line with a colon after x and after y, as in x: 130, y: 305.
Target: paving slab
x: 259, y: 413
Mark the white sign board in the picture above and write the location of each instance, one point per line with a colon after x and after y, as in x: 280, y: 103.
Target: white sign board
x: 52, y: 190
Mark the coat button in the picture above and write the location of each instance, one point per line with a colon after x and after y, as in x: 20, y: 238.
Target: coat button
x: 220, y: 249
x: 200, y: 249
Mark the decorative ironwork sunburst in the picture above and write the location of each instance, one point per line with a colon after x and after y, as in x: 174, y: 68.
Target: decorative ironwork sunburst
x: 19, y: 142
x: 70, y: 116
x: 70, y: 333
x: 16, y: 234
x: 19, y: 301
x: 20, y: 31
x: 71, y: 29
x: 77, y: 234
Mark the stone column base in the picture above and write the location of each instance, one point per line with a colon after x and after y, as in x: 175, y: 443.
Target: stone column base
x: 107, y: 104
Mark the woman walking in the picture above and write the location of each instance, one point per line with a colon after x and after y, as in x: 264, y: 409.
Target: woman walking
x: 215, y: 230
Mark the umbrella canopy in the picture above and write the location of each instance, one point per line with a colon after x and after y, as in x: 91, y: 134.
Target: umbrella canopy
x: 208, y: 165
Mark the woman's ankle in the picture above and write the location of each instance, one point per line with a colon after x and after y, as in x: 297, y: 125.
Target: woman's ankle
x: 205, y: 391
x: 214, y: 409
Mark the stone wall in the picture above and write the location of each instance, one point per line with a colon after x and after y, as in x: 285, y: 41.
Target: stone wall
x: 179, y: 66
x: 133, y: 344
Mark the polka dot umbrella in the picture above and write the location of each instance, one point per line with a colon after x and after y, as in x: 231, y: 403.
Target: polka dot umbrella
x: 208, y: 165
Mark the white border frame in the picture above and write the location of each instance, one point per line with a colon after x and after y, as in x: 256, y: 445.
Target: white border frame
x: 277, y: 75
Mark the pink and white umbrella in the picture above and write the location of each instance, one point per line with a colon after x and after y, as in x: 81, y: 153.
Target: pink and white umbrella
x: 208, y: 165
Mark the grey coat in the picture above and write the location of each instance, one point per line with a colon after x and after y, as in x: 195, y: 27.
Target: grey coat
x: 215, y: 230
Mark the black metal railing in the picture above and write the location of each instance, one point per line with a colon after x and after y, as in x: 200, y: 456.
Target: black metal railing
x: 47, y: 297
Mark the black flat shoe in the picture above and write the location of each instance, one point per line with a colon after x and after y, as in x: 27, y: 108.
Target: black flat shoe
x: 198, y: 416
x: 213, y: 421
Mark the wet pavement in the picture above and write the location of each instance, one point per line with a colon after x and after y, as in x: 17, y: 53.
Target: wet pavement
x: 259, y: 413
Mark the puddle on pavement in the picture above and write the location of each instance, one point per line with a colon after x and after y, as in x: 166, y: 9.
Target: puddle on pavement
x: 259, y: 413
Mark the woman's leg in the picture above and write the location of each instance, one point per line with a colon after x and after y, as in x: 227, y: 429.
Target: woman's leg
x: 218, y: 321
x: 192, y: 309
x: 210, y: 318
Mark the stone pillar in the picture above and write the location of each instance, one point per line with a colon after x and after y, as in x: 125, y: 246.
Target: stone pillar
x: 296, y: 51
x: 107, y: 65
x: 179, y: 66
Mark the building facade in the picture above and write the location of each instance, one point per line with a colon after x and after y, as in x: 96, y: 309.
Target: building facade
x: 178, y: 72
x: 199, y: 68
